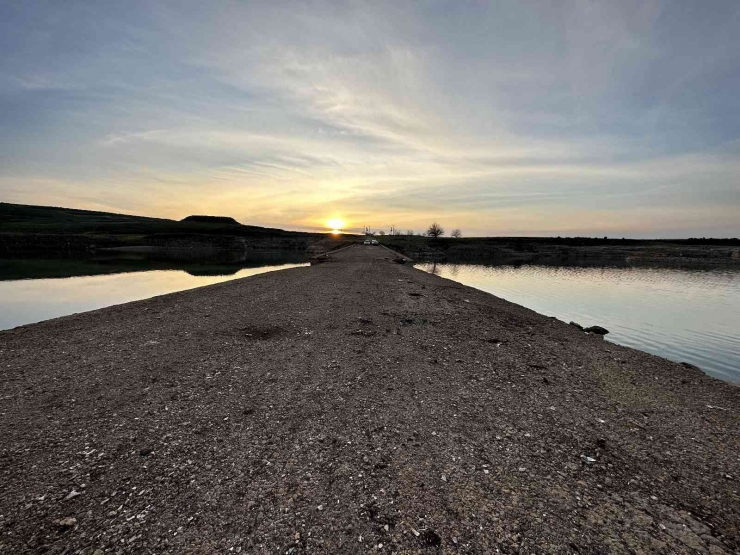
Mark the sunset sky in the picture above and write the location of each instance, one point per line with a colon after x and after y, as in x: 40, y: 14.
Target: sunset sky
x: 613, y: 118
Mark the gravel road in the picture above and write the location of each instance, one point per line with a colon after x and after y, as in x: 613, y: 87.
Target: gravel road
x: 358, y: 405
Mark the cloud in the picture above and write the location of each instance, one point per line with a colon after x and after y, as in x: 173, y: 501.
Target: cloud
x: 510, y: 117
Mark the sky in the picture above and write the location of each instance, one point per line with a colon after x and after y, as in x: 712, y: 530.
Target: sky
x: 617, y: 118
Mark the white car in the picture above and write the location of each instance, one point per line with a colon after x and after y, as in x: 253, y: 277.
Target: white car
x: 366, y: 242
x: 374, y: 242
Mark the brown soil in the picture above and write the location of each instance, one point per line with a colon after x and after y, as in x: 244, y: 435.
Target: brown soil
x: 357, y: 405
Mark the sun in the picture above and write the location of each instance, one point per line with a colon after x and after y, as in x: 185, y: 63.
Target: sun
x: 336, y: 225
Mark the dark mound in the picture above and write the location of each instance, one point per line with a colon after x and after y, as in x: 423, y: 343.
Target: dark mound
x: 211, y: 220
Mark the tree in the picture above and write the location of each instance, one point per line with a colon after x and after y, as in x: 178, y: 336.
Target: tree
x: 381, y: 232
x: 409, y: 232
x: 456, y: 233
x: 435, y: 230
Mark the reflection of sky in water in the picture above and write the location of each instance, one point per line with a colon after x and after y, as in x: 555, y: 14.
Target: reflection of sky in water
x: 690, y: 315
x: 33, y: 300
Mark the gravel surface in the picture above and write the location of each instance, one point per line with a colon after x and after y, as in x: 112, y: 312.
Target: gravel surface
x: 358, y: 405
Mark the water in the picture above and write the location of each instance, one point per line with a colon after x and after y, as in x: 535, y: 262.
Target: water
x: 33, y: 290
x: 690, y: 315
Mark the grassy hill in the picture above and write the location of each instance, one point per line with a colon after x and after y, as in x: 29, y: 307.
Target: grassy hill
x: 33, y: 229
x: 21, y: 218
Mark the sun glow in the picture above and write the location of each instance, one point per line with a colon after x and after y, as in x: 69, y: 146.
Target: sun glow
x: 336, y: 225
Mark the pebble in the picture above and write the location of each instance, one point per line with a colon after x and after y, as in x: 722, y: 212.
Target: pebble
x: 72, y: 494
x: 68, y: 522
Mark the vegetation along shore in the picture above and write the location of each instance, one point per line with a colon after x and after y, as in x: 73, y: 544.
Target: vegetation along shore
x: 356, y: 405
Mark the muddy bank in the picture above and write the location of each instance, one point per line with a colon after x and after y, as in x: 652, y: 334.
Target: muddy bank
x: 356, y: 405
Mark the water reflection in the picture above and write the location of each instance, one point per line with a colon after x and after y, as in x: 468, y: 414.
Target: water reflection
x: 684, y: 314
x: 32, y: 290
x: 226, y: 263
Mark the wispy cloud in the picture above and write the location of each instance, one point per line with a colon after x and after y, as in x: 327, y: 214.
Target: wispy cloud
x: 528, y: 117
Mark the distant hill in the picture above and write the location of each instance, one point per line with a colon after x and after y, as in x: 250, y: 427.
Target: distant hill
x: 41, y: 218
x: 62, y: 231
x: 21, y: 218
x: 211, y: 220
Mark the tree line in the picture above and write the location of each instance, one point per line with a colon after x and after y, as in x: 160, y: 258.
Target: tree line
x: 434, y: 230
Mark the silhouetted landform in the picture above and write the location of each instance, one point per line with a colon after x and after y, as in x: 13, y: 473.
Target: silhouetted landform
x: 25, y: 230
x: 354, y: 403
x: 565, y: 250
x: 211, y: 220
x: 21, y: 218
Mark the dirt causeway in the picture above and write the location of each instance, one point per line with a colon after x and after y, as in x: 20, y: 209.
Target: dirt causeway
x: 358, y: 405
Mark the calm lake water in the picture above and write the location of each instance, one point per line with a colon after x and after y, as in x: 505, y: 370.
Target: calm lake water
x: 690, y: 315
x: 30, y: 290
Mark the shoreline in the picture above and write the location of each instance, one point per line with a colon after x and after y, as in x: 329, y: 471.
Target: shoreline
x: 358, y: 397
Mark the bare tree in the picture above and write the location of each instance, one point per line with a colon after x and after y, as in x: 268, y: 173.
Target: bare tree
x: 381, y: 232
x: 409, y: 232
x: 456, y: 233
x: 435, y: 230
